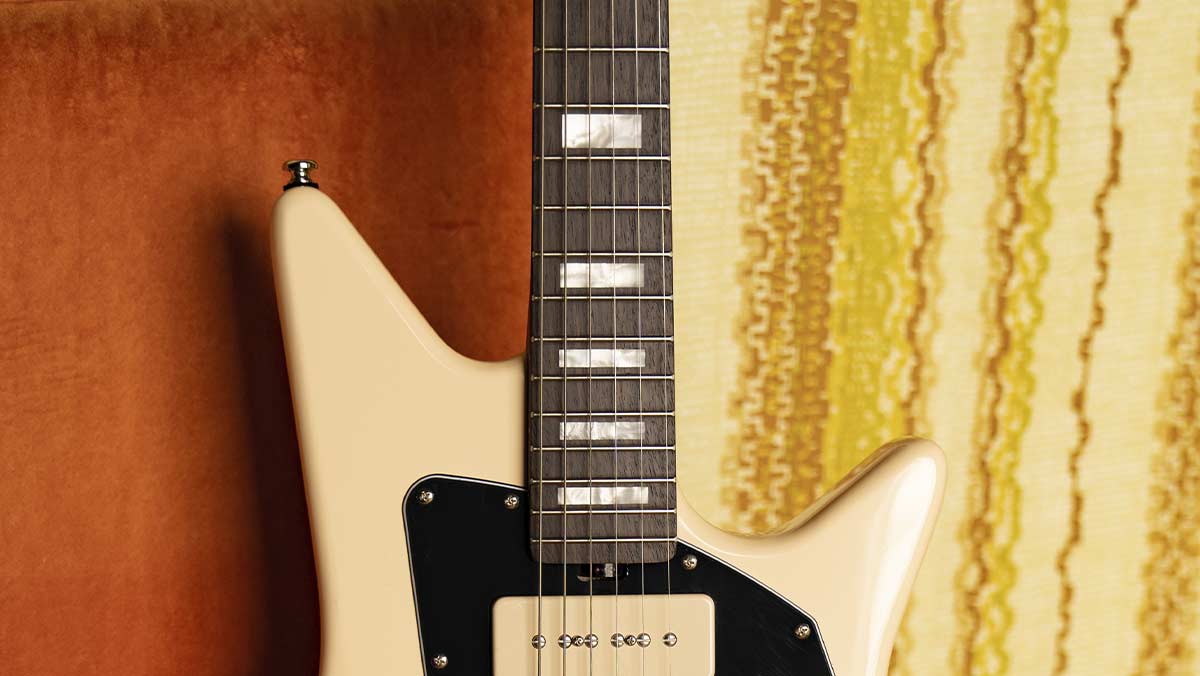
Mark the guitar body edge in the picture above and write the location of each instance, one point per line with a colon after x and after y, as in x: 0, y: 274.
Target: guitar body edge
x: 381, y: 402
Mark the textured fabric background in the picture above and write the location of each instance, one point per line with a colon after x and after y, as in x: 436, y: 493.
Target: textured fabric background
x: 151, y: 513
x: 971, y: 221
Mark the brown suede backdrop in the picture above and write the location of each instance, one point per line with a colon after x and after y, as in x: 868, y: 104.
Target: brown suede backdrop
x: 152, y: 518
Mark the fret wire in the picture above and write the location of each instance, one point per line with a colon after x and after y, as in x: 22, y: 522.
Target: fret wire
x: 603, y: 158
x: 576, y: 482
x: 586, y: 254
x: 602, y: 540
x: 570, y: 339
x: 606, y: 207
x: 581, y: 449
x: 614, y: 106
x: 599, y: 376
x: 606, y: 297
x: 602, y: 50
x: 605, y: 414
x: 581, y: 512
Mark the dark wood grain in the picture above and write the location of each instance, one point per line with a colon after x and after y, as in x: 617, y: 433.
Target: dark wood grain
x: 601, y: 205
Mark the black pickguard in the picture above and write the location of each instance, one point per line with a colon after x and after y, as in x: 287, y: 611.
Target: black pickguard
x: 467, y: 549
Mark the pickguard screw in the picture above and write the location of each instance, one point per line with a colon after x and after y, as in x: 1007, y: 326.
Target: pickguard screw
x: 512, y: 501
x: 617, y: 640
x: 643, y: 639
x: 690, y: 562
x: 538, y: 642
x: 670, y: 639
x: 591, y: 640
x: 425, y: 497
x: 440, y: 661
x: 803, y: 631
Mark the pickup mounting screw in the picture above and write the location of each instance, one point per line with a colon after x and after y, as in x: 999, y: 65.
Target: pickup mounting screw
x: 425, y: 497
x: 512, y: 501
x: 440, y: 661
x: 803, y: 631
x: 690, y: 562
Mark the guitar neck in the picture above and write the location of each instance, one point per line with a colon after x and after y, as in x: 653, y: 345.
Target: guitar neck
x: 601, y: 390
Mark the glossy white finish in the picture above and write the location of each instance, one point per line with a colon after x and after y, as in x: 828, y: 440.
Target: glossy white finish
x: 381, y: 402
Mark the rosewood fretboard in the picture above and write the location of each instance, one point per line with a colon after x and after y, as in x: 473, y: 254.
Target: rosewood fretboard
x: 601, y: 389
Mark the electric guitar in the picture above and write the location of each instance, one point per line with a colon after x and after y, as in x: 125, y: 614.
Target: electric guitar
x: 522, y: 518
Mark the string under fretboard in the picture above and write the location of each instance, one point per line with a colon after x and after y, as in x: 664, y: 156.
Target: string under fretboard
x: 600, y: 360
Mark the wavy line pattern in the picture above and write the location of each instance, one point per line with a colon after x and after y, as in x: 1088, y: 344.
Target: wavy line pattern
x: 872, y: 289
x: 791, y: 220
x: 1171, y: 574
x: 939, y: 45
x: 1018, y: 220
x: 1079, y: 397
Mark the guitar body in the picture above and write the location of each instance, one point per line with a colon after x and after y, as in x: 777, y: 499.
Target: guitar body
x: 383, y: 404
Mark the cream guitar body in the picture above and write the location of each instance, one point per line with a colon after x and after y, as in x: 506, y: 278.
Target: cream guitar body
x: 382, y: 405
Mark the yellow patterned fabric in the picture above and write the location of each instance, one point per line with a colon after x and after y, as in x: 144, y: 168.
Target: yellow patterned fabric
x: 976, y: 222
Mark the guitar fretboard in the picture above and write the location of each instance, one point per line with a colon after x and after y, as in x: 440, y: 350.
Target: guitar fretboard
x: 600, y: 360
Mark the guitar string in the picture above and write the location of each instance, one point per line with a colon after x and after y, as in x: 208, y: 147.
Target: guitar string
x: 637, y: 183
x: 612, y: 200
x: 566, y: 200
x: 540, y: 489
x: 664, y: 151
x: 588, y: 382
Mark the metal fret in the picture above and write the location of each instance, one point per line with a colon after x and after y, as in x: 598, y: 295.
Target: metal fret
x: 599, y: 376
x: 599, y: 50
x: 606, y: 296
x: 582, y: 157
x: 601, y: 107
x: 584, y: 482
x: 599, y: 255
x: 602, y: 540
x: 588, y: 449
x: 584, y: 510
x: 604, y: 207
x: 557, y: 414
x: 586, y: 339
